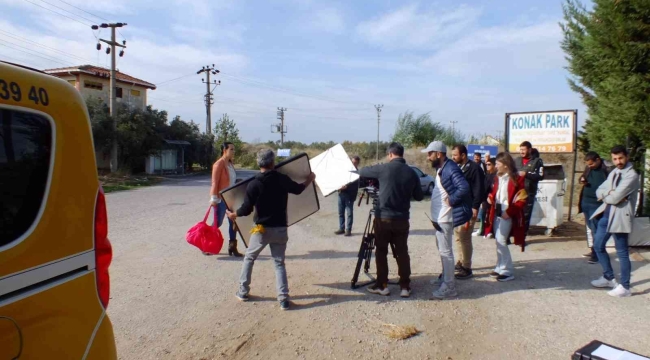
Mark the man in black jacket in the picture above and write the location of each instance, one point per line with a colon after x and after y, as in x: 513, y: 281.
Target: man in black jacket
x: 267, y: 194
x: 347, y: 195
x: 532, y: 168
x: 476, y: 180
x: 595, y: 174
x: 399, y: 184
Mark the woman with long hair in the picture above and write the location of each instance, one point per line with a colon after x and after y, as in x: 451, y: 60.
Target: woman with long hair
x: 506, y: 215
x: 223, y: 176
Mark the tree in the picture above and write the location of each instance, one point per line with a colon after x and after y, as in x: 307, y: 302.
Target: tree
x: 411, y: 131
x: 101, y: 124
x: 608, y: 50
x: 451, y: 136
x: 225, y: 129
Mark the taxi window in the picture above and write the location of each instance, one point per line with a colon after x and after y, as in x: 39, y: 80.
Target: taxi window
x: 25, y: 147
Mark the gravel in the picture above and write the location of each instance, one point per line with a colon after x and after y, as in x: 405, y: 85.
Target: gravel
x: 168, y: 301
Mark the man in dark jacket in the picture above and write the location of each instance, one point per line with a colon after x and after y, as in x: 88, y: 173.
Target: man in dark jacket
x: 490, y: 175
x: 347, y: 195
x: 398, y: 185
x: 532, y: 169
x: 476, y: 180
x: 595, y: 174
x: 267, y: 194
x: 451, y: 206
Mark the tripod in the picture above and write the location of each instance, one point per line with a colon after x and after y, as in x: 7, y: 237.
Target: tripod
x: 367, y: 241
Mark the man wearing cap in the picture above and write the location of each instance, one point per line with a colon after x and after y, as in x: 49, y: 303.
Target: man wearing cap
x: 451, y: 206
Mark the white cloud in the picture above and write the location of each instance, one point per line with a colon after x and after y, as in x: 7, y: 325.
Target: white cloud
x: 411, y: 28
x: 499, y: 50
x: 328, y: 20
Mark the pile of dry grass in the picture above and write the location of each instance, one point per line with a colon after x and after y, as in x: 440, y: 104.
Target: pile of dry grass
x: 398, y: 332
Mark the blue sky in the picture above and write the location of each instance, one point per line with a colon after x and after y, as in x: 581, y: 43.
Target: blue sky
x: 327, y: 62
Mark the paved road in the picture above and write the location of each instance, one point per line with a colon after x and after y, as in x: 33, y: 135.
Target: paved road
x: 170, y: 302
x: 245, y: 174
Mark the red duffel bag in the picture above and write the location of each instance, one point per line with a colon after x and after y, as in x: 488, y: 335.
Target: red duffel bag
x: 206, y: 237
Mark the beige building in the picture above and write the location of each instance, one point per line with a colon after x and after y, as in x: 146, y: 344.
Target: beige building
x: 93, y: 81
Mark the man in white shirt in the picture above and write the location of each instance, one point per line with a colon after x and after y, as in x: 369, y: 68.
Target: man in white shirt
x: 451, y: 205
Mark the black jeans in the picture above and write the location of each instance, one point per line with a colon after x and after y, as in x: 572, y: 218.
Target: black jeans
x: 528, y: 211
x: 396, y: 232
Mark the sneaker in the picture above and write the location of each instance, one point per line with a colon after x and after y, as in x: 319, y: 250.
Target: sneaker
x: 587, y: 255
x: 339, y: 232
x: 504, y: 278
x: 494, y: 274
x: 406, y: 292
x: 476, y: 233
x: 241, y: 297
x: 619, y: 291
x: 437, y: 281
x: 348, y: 233
x: 604, y: 283
x: 445, y: 292
x: 376, y: 289
x: 593, y: 259
x: 464, y: 273
x: 488, y: 236
x: 284, y: 304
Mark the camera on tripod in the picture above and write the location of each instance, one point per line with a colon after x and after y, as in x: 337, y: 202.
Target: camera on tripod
x: 370, y: 192
x: 364, y: 257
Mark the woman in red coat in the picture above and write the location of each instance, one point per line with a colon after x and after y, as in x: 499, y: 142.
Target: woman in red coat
x: 506, y: 215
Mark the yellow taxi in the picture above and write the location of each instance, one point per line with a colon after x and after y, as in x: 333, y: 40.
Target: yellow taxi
x: 54, y: 247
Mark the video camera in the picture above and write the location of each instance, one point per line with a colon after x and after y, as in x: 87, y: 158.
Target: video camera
x: 370, y: 192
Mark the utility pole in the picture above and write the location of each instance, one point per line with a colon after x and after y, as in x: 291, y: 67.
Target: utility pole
x: 280, y: 126
x: 378, y: 108
x: 453, y: 127
x: 113, y: 89
x: 209, y: 100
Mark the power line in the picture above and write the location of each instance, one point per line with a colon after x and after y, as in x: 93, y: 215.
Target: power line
x: 33, y: 53
x: 264, y: 85
x: 69, y: 12
x: 178, y: 78
x: 44, y: 46
x: 58, y: 13
x: 89, y: 13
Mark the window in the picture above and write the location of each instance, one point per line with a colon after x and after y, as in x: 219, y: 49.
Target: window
x: 25, y: 147
x: 418, y: 171
x: 118, y: 92
x: 93, y: 85
x: 135, y: 92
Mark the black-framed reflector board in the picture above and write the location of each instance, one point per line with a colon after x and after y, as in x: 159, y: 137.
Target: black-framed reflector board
x: 299, y: 207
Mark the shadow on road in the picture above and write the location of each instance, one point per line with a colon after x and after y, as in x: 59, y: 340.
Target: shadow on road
x: 311, y: 255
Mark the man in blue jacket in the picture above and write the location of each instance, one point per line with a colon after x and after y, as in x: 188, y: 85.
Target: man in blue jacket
x: 451, y: 206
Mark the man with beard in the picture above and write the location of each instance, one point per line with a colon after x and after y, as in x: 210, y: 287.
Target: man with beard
x: 451, y: 206
x: 532, y: 169
x: 594, y: 175
x: 615, y: 217
x: 476, y: 179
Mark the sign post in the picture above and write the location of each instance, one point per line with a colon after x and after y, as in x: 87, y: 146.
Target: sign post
x: 482, y: 149
x: 553, y: 132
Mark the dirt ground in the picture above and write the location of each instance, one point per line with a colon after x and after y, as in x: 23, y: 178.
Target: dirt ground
x: 171, y: 302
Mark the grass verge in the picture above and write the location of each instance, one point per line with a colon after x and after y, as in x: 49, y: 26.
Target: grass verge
x: 113, y: 183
